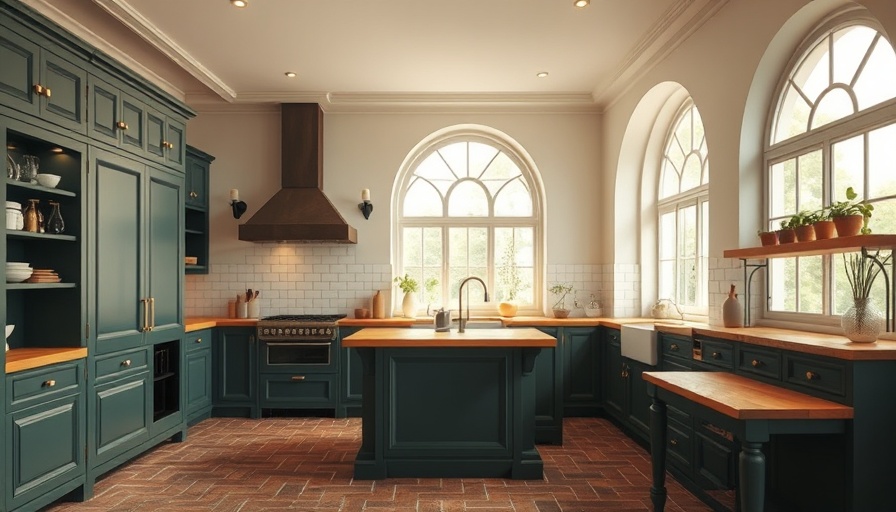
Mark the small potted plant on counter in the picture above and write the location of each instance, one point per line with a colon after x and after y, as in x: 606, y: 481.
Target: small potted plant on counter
x: 409, y: 303
x: 560, y: 290
x: 851, y: 217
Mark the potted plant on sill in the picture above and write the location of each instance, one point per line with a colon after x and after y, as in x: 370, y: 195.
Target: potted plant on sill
x: 862, y: 322
x: 851, y: 217
x: 824, y: 226
x: 409, y: 302
x: 767, y: 238
x: 560, y: 290
x: 802, y: 224
x: 509, y: 282
x: 786, y: 235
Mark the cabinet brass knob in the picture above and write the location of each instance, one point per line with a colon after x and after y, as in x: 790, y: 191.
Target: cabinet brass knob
x: 126, y: 363
x: 38, y: 89
x: 47, y: 92
x: 757, y: 363
x: 298, y: 377
x: 198, y: 340
x: 673, y: 442
x: 810, y: 375
x: 122, y: 125
x: 716, y: 355
x: 673, y: 347
x: 50, y: 383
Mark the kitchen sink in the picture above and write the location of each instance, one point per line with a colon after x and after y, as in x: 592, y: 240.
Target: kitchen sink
x: 471, y: 324
x: 639, y: 343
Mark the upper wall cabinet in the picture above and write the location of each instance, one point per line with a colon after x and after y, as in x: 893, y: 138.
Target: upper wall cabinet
x: 116, y: 117
x: 41, y: 83
x: 166, y: 138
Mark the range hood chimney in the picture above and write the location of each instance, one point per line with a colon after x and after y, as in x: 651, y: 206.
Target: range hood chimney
x: 300, y: 212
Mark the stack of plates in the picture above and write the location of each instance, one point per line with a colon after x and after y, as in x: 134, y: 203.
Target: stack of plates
x: 44, y: 275
x: 17, y: 271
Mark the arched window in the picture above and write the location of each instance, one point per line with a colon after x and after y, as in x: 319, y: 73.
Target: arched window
x: 468, y: 207
x: 832, y: 128
x: 683, y: 207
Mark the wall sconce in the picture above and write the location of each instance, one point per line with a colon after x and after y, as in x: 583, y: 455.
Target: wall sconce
x: 239, y: 207
x: 365, y: 205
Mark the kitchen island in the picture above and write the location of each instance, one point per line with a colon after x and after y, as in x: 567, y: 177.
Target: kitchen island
x: 448, y: 404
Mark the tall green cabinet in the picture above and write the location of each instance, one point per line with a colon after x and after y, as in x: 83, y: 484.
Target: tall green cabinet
x: 119, y: 145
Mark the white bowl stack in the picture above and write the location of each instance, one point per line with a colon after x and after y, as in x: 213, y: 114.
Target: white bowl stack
x: 16, y: 271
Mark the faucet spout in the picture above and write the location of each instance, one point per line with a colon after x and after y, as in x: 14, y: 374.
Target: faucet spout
x: 461, y: 323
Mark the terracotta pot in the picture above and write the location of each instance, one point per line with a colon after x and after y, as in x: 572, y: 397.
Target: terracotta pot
x: 560, y: 313
x: 805, y: 233
x: 825, y: 229
x: 507, y: 308
x: 849, y: 225
x: 768, y: 238
x: 786, y: 236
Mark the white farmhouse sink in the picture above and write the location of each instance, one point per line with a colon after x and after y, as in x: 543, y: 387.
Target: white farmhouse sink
x: 639, y: 343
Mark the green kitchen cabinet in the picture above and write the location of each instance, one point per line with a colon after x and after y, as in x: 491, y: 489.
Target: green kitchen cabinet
x: 581, y: 371
x: 136, y: 252
x: 198, y: 375
x: 116, y: 117
x: 196, y: 205
x: 45, y: 439
x: 549, y: 391
x: 625, y: 392
x: 39, y: 82
x: 235, y: 372
x: 613, y: 372
x: 166, y: 138
x: 352, y: 375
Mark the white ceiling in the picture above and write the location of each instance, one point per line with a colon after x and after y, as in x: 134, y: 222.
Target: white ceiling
x: 389, y: 51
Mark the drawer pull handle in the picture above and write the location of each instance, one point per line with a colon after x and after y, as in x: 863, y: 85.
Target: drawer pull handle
x: 673, y: 347
x: 673, y: 442
x: 811, y: 375
x: 757, y: 363
x: 126, y: 363
x: 198, y: 340
x: 50, y: 383
x: 716, y: 355
x: 298, y: 377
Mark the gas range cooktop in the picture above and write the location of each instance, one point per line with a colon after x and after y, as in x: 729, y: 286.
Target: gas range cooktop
x: 298, y: 327
x: 303, y: 318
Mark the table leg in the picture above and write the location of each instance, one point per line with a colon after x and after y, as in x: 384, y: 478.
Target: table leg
x: 752, y: 477
x: 658, y: 454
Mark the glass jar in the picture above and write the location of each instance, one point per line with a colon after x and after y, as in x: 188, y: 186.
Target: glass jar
x: 55, y: 224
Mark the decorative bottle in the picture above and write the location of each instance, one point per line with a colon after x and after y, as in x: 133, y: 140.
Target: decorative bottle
x: 31, y: 215
x: 732, y: 311
x: 55, y: 224
x: 379, y: 306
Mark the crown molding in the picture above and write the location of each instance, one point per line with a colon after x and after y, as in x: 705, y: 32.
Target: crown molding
x: 45, y: 8
x: 131, y: 18
x: 674, y: 27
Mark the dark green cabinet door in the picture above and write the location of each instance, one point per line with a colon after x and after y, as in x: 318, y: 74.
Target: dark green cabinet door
x: 176, y: 137
x: 123, y: 416
x: 549, y: 393
x: 133, y: 115
x: 198, y: 382
x: 155, y: 134
x: 46, y: 448
x: 614, y: 374
x: 117, y: 251
x: 63, y: 102
x: 639, y: 400
x: 352, y: 384
x: 581, y: 371
x: 164, y: 244
x: 19, y: 71
x: 105, y: 111
x: 234, y: 358
x: 197, y: 168
x: 166, y: 139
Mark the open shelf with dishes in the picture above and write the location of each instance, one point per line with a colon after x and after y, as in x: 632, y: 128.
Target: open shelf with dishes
x: 44, y: 260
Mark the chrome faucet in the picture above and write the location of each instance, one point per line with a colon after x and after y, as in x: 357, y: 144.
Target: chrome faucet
x: 460, y: 302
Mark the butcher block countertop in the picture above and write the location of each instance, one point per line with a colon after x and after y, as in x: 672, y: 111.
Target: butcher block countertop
x: 402, y: 337
x: 746, y: 399
x: 21, y: 359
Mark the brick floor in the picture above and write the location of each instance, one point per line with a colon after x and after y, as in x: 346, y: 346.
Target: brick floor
x: 306, y: 464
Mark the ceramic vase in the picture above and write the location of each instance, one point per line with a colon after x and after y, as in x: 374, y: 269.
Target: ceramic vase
x: 409, y: 305
x: 379, y: 306
x: 862, y: 322
x: 732, y: 311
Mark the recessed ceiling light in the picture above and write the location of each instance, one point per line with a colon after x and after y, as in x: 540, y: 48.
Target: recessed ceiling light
x: 581, y: 3
x: 290, y: 74
x: 242, y: 3
x: 57, y: 150
x: 542, y: 74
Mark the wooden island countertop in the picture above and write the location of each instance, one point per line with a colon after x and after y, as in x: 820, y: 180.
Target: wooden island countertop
x: 404, y: 337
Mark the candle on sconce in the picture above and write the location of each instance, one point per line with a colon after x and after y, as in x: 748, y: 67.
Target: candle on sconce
x: 365, y: 194
x: 234, y: 194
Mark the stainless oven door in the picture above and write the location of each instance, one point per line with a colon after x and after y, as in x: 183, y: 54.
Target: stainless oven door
x: 289, y: 356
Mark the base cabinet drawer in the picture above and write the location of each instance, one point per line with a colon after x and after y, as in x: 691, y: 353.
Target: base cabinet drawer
x: 826, y: 378
x: 123, y: 416
x: 40, y: 385
x: 298, y: 391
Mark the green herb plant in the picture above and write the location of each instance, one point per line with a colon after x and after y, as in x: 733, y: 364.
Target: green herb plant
x: 560, y: 290
x: 407, y: 283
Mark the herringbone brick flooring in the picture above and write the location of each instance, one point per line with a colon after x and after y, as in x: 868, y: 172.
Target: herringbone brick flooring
x: 306, y: 464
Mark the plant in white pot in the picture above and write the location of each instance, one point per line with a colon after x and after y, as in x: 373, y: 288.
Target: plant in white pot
x: 561, y: 291
x: 509, y: 283
x: 862, y: 322
x: 409, y: 303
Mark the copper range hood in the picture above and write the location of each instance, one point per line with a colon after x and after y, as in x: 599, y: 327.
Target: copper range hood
x: 300, y: 212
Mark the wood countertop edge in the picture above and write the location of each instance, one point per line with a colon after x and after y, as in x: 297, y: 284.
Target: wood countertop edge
x: 399, y: 337
x: 21, y: 359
